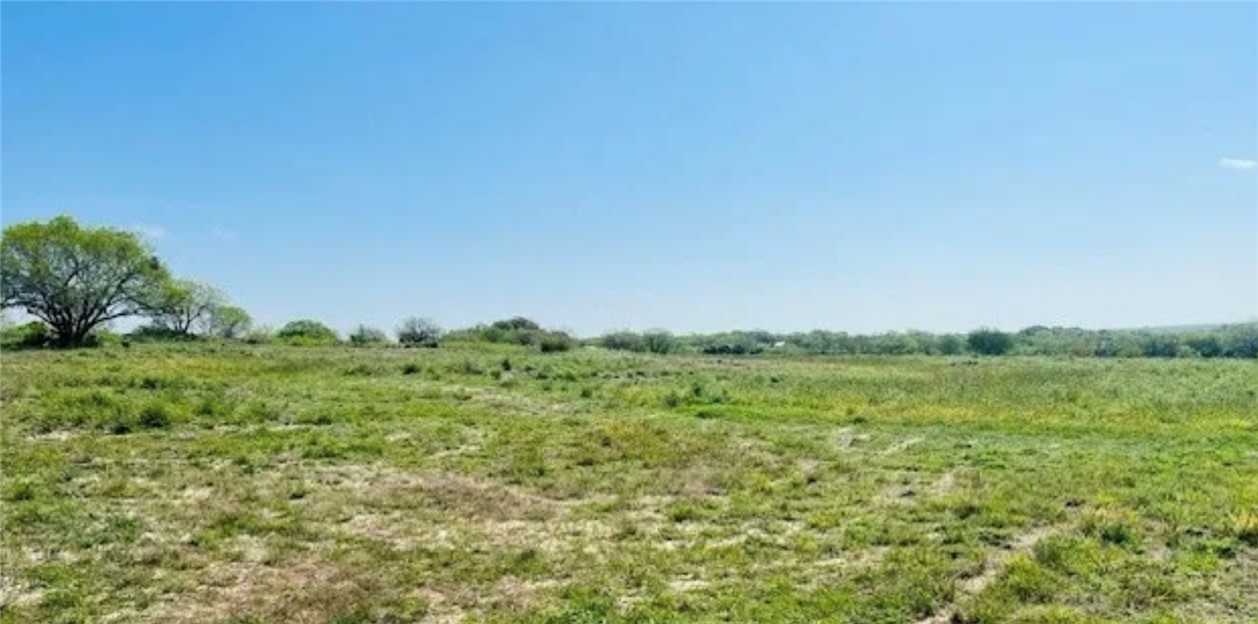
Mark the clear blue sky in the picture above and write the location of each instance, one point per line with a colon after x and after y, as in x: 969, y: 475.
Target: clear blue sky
x: 696, y: 167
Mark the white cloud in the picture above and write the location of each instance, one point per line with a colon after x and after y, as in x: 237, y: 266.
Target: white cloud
x: 1237, y: 163
x: 149, y: 231
x: 223, y: 233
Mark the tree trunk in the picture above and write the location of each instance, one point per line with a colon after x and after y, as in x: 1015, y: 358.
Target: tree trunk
x: 69, y: 336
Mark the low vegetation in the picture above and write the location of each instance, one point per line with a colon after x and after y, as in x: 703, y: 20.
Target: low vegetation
x: 489, y: 482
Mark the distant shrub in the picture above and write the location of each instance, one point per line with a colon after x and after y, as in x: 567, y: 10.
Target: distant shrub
x: 735, y: 343
x: 652, y: 341
x: 659, y: 341
x: 363, y: 335
x: 1159, y: 345
x: 1117, y: 344
x: 1207, y: 345
x: 518, y: 331
x: 950, y: 344
x: 989, y: 342
x: 516, y: 324
x: 306, y: 332
x: 555, y: 341
x: 418, y: 332
x: 1240, y: 341
x: 259, y: 335
x: 623, y: 341
x: 158, y: 333
x: 738, y: 346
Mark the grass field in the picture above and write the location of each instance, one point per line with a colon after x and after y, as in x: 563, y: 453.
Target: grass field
x: 487, y: 484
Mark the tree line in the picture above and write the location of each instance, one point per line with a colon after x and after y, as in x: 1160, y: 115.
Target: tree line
x: 1229, y: 341
x: 74, y: 280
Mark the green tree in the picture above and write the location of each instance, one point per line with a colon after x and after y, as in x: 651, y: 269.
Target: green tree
x: 226, y: 321
x: 623, y: 341
x: 75, y: 278
x: 659, y: 341
x: 418, y: 332
x: 307, y: 332
x: 517, y: 323
x: 183, y: 305
x: 989, y: 342
x: 949, y: 344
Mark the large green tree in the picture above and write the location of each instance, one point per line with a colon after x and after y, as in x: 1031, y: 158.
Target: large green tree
x: 75, y: 278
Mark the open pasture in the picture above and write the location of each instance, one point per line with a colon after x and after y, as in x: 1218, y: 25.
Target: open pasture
x: 486, y: 483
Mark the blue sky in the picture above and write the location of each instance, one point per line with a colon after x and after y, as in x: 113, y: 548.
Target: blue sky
x: 697, y: 167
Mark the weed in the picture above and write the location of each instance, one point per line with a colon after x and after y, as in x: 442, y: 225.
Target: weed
x: 155, y: 416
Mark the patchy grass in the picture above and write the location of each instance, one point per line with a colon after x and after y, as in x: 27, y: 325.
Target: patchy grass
x: 493, y: 484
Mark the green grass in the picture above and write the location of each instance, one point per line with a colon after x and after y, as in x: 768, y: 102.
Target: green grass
x: 205, y: 483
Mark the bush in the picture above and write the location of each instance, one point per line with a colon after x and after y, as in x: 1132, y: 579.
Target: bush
x: 950, y: 344
x: 363, y: 335
x: 1207, y: 345
x: 418, y: 332
x: 260, y: 335
x: 623, y: 341
x: 1160, y: 345
x: 307, y: 333
x: 32, y: 335
x: 1240, y: 341
x: 555, y: 341
x: 157, y: 333
x: 989, y: 342
x: 516, y: 324
x: 659, y: 341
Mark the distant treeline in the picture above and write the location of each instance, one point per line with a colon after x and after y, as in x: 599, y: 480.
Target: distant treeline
x: 75, y: 280
x: 1231, y: 341
x: 1224, y: 341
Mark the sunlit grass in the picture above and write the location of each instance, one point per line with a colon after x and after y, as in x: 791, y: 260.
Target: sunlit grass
x: 211, y: 483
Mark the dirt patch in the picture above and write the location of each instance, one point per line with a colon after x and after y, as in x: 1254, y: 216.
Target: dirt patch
x: 15, y: 594
x: 944, y: 484
x: 301, y: 593
x: 902, y: 445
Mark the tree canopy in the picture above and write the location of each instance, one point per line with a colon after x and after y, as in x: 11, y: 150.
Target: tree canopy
x: 226, y: 321
x: 418, y: 332
x: 307, y: 332
x: 184, y: 305
x: 75, y: 278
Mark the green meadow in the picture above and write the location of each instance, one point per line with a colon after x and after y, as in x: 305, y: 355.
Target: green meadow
x: 489, y: 483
